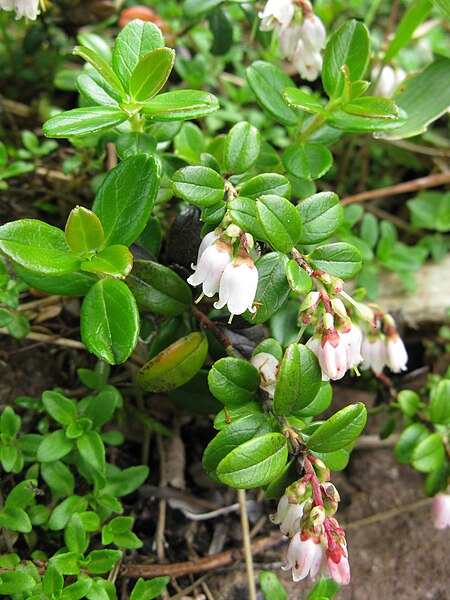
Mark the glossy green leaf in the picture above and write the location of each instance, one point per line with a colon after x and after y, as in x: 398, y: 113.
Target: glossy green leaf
x: 273, y: 288
x: 92, y: 450
x: 15, y: 519
x: 437, y: 480
x: 125, y: 199
x: 233, y: 435
x: 176, y: 365
x: 150, y: 589
x: 280, y: 222
x: 408, y: 440
x: 299, y: 280
x: 440, y: 403
x: 9, y: 422
x: 136, y: 39
x: 365, y: 124
x: 413, y: 17
x: 58, y: 477
x: 200, y: 186
x: 424, y: 98
x: 110, y: 321
x: 264, y: 184
x: 54, y: 446
x: 301, y: 100
x: 135, y: 142
x: 325, y: 589
x: 196, y: 8
x: 271, y: 586
x: 232, y: 413
x: 319, y: 404
x: 102, y: 67
x: 254, y: 463
x: 15, y: 582
x: 101, y: 561
x: 267, y: 82
x: 285, y: 477
x: 307, y: 161
x: 64, y: 511
x: 242, y: 148
x: 349, y: 45
x: 444, y: 7
x: 151, y: 73
x: 37, y: 246
x: 409, y: 402
x: 96, y: 91
x: 340, y: 430
x: 298, y: 381
x: 83, y: 121
x: 373, y: 107
x: 222, y: 29
x: 335, y: 461
x: 339, y: 259
x: 321, y: 216
x: 60, y: 408
x: 428, y: 454
x: 158, y: 289
x: 84, y: 231
x: 115, y: 261
x: 233, y: 380
x: 243, y: 212
x: 180, y: 105
x: 72, y: 284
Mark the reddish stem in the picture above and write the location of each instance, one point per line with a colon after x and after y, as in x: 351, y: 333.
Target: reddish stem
x: 315, y: 484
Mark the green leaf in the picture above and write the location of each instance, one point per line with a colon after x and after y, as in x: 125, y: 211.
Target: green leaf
x: 5, y: 317
x: 303, y: 101
x: 439, y: 403
x: 243, y: 213
x: 222, y: 30
x: 136, y: 39
x: 321, y: 214
x: 254, y: 463
x: 429, y: 453
x: 413, y: 17
x: 409, y: 402
x: 58, y: 477
x: 135, y: 142
x: 180, y: 105
x: 431, y: 210
x: 90, y: 521
x: 242, y: 148
x: 285, y: 477
x: 22, y: 495
x: 271, y: 586
x: 126, y: 481
x: 60, y: 408
x: 339, y: 259
x: 325, y: 589
x: 424, y: 98
x: 307, y: 161
x: 9, y: 421
x: 267, y: 83
x: 176, y: 365
x: 200, y: 186
x: 373, y: 107
x: 232, y: 436
x: 16, y: 583
x: 125, y: 199
x: 84, y: 231
x: 52, y: 581
x: 9, y: 457
x: 299, y: 280
x: 264, y: 184
x: 101, y: 561
x: 437, y: 480
x: 280, y: 222
x: 273, y: 289
x: 150, y: 589
x: 335, y: 461
x: 92, y: 450
x: 444, y: 7
x: 408, y: 440
x: 54, y: 446
x: 298, y: 381
x: 110, y: 321
x: 15, y: 519
x: 73, y: 284
x: 64, y: 511
x: 340, y: 430
x: 115, y: 261
x: 102, y: 67
x: 233, y: 380
x: 158, y: 289
x: 196, y: 8
x: 151, y: 73
x: 365, y: 124
x: 83, y: 121
x: 349, y: 45
x: 37, y: 246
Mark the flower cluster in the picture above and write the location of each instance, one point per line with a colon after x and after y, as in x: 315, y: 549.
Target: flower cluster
x: 441, y: 510
x: 318, y: 547
x: 301, y: 34
x: 23, y: 8
x: 225, y: 265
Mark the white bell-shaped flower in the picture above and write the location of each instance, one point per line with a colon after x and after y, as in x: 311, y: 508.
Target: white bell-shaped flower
x: 267, y: 366
x: 314, y: 33
x: 307, y: 63
x: 276, y: 13
x: 397, y: 357
x: 238, y: 285
x: 24, y: 8
x: 211, y: 264
x: 352, y: 339
x: 304, y: 557
x: 373, y: 350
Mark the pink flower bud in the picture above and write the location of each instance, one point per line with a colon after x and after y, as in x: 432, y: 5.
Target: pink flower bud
x: 304, y: 557
x: 332, y: 355
x: 338, y: 565
x: 441, y: 510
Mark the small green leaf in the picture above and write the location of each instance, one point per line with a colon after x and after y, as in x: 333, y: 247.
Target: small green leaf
x: 242, y: 148
x: 15, y: 519
x: 150, y: 589
x: 339, y: 259
x: 83, y: 121
x: 92, y: 450
x: 84, y: 231
x: 101, y: 561
x: 428, y: 454
x: 60, y: 408
x: 196, y: 8
x: 180, y: 105
x: 52, y: 581
x: 365, y: 124
x: 14, y: 583
x: 54, y: 446
x: 298, y: 381
x: 37, y: 246
x: 102, y: 67
x: 373, y: 107
x: 254, y: 463
x: 271, y: 586
x: 158, y: 289
x: 408, y: 440
x: 233, y: 380
x: 151, y: 73
x: 136, y: 142
x: 273, y: 289
x: 115, y: 261
x: 307, y: 161
x: 243, y: 213
x: 430, y: 210
x: 440, y: 404
x: 64, y: 511
x: 285, y: 477
x: 72, y: 284
x: 58, y: 477
x: 110, y: 321
x: 340, y: 430
x: 319, y: 404
x: 200, y: 186
x: 299, y: 280
x: 96, y: 91
x: 264, y: 184
x: 5, y: 317
x: 303, y: 101
x: 126, y: 481
x: 409, y: 402
x: 280, y: 222
x: 9, y: 421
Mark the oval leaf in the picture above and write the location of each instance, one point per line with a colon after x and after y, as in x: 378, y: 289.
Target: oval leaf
x: 280, y: 222
x: 340, y: 259
x: 340, y: 430
x: 321, y: 216
x: 200, y: 186
x: 242, y: 148
x: 233, y: 380
x: 84, y: 231
x: 115, y: 261
x: 151, y: 73
x: 83, y: 121
x: 273, y: 289
x: 180, y: 105
x: 307, y: 161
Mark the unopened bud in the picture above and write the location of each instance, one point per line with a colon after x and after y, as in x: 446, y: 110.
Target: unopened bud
x: 324, y: 277
x: 328, y: 321
x: 250, y: 241
x: 337, y: 285
x: 310, y: 302
x: 233, y: 231
x: 317, y: 515
x: 322, y: 471
x: 339, y: 308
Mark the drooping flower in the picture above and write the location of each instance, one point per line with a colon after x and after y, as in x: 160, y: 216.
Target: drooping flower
x: 276, y: 14
x: 338, y: 565
x: 397, y: 357
x: 212, y: 261
x: 305, y: 557
x: 267, y: 366
x: 307, y: 63
x: 238, y: 285
x: 441, y: 510
x: 314, y: 33
x: 288, y: 516
x: 373, y: 350
x: 23, y: 8
x: 352, y: 340
x: 330, y: 350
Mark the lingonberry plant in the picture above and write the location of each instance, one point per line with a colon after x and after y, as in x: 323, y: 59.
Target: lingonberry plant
x: 248, y: 241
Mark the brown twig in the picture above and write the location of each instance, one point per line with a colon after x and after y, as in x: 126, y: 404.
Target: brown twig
x: 415, y: 185
x: 247, y: 545
x: 216, y: 331
x: 161, y: 525
x: 49, y: 339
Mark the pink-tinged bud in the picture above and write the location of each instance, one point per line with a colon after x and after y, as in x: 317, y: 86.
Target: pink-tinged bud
x: 339, y: 308
x: 211, y: 265
x: 338, y: 565
x: 373, y: 351
x: 276, y: 14
x: 317, y: 515
x: 288, y: 516
x: 441, y: 511
x: 352, y: 340
x: 397, y: 357
x: 310, y: 302
x: 304, y: 557
x: 238, y: 285
x: 267, y: 366
x: 337, y: 285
